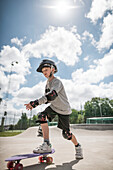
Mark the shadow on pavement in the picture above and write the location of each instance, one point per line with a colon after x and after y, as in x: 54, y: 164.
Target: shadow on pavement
x: 64, y: 166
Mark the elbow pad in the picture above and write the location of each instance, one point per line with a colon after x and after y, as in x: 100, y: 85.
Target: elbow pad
x: 52, y: 95
x: 34, y: 103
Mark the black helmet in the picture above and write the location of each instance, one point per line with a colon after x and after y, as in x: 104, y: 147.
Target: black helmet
x: 46, y: 63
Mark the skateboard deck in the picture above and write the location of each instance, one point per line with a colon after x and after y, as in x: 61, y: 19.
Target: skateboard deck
x: 14, y: 161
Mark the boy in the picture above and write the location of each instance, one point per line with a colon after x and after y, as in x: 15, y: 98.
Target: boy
x: 54, y: 94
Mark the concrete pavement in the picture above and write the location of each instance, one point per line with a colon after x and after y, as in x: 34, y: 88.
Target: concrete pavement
x: 97, y: 149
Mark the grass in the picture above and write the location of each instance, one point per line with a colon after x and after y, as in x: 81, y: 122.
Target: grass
x: 10, y: 133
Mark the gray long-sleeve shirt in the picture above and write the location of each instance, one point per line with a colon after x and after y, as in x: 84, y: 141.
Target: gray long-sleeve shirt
x: 60, y: 104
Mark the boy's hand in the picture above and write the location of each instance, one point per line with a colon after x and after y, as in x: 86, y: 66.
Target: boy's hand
x: 28, y: 106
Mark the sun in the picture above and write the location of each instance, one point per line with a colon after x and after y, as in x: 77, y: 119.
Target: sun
x: 62, y: 8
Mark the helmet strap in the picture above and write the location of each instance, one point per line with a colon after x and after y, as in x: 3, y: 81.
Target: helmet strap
x: 51, y: 73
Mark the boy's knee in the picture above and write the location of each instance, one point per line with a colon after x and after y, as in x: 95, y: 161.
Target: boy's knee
x: 42, y: 118
x: 67, y: 135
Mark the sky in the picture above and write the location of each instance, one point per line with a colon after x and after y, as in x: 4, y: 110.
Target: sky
x: 76, y: 34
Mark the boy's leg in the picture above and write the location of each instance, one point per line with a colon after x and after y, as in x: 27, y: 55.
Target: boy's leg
x: 49, y: 114
x: 79, y: 154
x: 45, y: 147
x: 45, y: 131
x: 74, y: 140
x: 64, y: 125
x: 69, y: 136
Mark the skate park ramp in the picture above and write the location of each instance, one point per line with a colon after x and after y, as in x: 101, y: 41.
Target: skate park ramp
x: 30, y: 132
x: 97, y: 150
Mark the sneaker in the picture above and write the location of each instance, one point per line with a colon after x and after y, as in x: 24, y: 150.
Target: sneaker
x: 44, y: 148
x: 79, y: 154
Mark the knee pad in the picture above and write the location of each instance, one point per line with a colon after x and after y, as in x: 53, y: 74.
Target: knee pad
x: 41, y: 118
x: 67, y: 135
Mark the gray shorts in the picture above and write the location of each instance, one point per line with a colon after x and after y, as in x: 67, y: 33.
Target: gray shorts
x: 63, y: 120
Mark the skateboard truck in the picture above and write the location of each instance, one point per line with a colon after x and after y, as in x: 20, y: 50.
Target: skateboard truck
x: 46, y: 158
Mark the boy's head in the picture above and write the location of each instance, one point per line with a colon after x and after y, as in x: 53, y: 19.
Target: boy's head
x: 47, y: 67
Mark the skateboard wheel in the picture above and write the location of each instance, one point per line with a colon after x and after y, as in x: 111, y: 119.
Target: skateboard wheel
x: 49, y: 160
x: 10, y: 165
x: 19, y: 167
x: 40, y: 159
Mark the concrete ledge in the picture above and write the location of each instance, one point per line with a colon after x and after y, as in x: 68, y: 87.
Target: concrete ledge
x: 93, y: 126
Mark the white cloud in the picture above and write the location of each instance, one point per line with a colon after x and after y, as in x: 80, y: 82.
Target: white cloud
x: 22, y: 96
x: 18, y: 71
x: 3, y: 81
x: 103, y: 69
x: 27, y: 94
x: 10, y: 83
x: 59, y: 42
x: 13, y: 79
x: 86, y: 35
x: 86, y: 58
x: 106, y: 36
x: 98, y: 9
x: 106, y: 39
x: 79, y: 93
x: 17, y: 41
x: 8, y: 55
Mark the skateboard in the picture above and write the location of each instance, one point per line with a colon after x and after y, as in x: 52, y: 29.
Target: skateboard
x: 14, y: 161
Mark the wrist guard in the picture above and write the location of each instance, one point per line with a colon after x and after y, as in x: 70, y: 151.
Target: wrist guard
x: 34, y: 103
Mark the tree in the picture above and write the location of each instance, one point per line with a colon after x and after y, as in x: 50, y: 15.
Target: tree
x: 23, y: 122
x: 98, y: 107
x: 74, y: 116
x: 32, y: 122
x: 80, y: 119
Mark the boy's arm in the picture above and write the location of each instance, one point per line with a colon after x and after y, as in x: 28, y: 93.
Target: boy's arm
x: 49, y: 96
x: 57, y: 86
x: 31, y: 105
x: 44, y: 99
